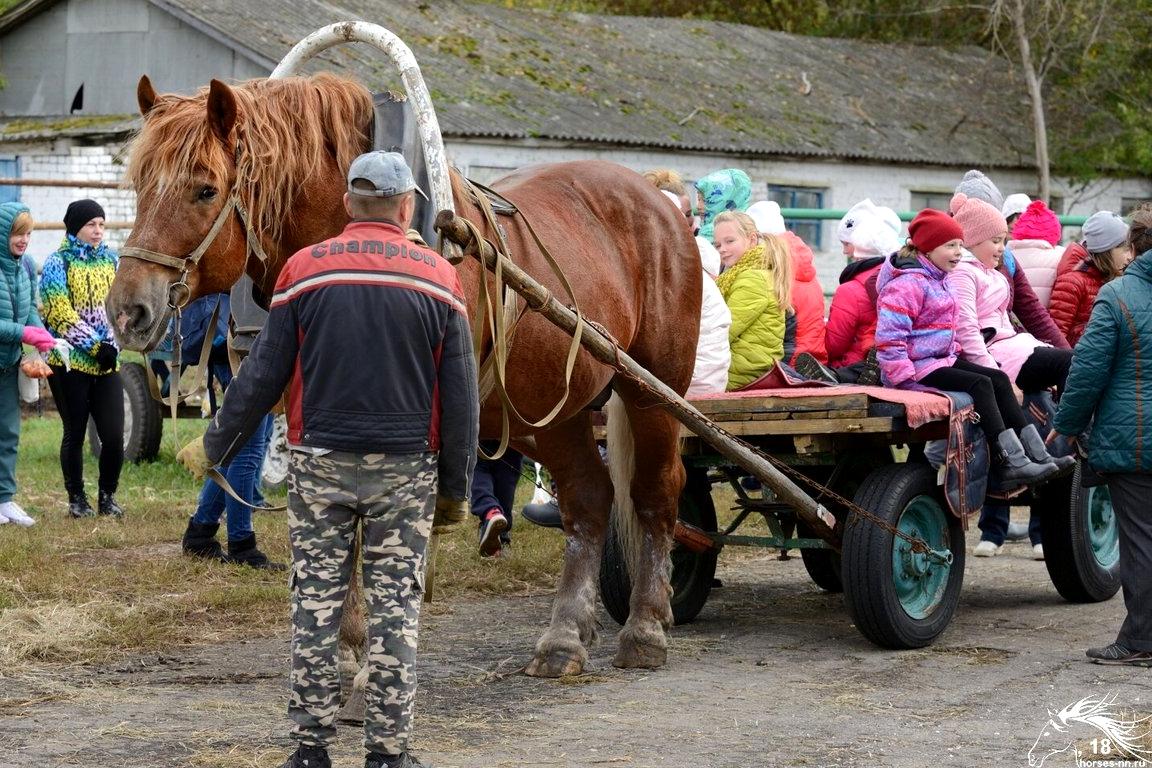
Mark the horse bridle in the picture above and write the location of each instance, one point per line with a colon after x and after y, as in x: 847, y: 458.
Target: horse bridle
x: 178, y: 291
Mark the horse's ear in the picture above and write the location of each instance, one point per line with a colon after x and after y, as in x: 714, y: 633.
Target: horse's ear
x: 146, y: 95
x: 221, y: 110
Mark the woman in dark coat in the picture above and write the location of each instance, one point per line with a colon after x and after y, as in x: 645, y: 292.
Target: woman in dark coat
x: 1111, y: 379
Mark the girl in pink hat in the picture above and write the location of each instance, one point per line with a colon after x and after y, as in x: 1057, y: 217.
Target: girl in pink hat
x: 916, y: 342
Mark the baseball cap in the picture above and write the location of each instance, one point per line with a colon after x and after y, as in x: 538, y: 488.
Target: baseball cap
x: 387, y: 172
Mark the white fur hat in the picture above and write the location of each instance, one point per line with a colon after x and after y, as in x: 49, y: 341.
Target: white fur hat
x: 871, y: 236
x: 867, y: 209
x: 1013, y: 204
x: 766, y: 214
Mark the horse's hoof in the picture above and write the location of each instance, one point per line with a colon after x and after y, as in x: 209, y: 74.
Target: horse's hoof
x: 635, y: 653
x: 554, y: 664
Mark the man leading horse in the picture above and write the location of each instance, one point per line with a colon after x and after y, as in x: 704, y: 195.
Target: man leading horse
x: 368, y: 334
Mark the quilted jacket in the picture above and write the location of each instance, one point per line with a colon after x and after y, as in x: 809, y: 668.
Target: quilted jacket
x: 1111, y: 375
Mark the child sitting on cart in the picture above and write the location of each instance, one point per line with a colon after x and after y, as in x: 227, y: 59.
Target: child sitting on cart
x: 916, y: 344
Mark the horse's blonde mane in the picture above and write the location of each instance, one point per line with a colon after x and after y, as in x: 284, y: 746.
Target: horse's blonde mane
x: 285, y: 130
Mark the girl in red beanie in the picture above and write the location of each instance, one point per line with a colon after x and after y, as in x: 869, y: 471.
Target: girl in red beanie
x: 916, y: 345
x: 1035, y: 235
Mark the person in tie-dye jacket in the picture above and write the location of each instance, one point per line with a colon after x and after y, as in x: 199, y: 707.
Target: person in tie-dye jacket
x: 73, y: 285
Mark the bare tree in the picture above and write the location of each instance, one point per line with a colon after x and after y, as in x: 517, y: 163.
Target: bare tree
x: 1044, y: 35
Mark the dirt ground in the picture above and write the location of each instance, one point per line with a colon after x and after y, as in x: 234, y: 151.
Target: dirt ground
x: 772, y: 673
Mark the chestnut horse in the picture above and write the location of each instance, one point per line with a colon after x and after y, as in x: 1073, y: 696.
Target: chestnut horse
x: 281, y: 148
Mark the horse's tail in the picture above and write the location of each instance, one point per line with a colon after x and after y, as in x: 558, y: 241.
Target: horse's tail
x: 622, y: 468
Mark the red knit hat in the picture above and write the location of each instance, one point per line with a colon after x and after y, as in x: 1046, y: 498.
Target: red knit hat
x: 931, y: 229
x: 1037, y: 223
x: 979, y: 220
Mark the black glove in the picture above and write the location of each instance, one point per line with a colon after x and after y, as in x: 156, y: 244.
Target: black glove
x: 105, y: 355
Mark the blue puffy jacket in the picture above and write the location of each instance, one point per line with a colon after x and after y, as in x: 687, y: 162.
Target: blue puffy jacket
x: 1111, y: 375
x: 17, y: 297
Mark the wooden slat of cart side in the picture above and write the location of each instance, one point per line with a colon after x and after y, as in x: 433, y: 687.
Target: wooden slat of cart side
x: 790, y: 405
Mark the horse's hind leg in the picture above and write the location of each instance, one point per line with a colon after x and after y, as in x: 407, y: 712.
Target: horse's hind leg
x: 657, y: 478
x: 585, y: 496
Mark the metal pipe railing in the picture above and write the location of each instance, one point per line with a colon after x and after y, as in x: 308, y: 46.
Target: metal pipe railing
x: 834, y: 214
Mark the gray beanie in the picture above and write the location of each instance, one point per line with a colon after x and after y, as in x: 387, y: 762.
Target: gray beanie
x: 1103, y: 231
x: 977, y: 185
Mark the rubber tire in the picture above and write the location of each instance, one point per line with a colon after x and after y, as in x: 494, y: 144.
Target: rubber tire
x: 143, y: 418
x: 692, y: 572
x: 823, y: 565
x: 869, y: 591
x: 1075, y: 572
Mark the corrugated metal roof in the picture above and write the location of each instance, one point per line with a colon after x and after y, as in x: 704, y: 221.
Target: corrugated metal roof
x: 662, y: 83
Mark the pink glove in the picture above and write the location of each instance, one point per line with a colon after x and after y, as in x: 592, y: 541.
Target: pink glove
x: 38, y: 337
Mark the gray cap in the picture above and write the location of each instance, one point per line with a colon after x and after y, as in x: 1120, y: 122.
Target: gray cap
x: 977, y: 185
x: 1103, y: 231
x: 387, y: 172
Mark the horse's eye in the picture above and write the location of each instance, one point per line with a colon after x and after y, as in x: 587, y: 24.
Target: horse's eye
x: 206, y: 194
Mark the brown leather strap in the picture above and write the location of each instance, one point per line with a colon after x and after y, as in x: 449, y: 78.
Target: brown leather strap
x: 215, y: 476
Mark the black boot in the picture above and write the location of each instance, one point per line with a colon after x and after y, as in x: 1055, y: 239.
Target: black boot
x: 244, y: 552
x: 200, y: 541
x: 106, y: 504
x: 78, y: 505
x: 404, y: 760
x: 308, y: 757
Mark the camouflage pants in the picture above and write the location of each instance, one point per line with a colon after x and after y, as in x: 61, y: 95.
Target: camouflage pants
x: 394, y: 495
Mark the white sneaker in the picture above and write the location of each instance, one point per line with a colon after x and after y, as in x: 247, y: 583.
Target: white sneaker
x: 1037, y: 551
x: 12, y: 513
x: 987, y: 549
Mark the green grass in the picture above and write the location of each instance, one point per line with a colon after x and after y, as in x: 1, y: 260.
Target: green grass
x: 88, y: 591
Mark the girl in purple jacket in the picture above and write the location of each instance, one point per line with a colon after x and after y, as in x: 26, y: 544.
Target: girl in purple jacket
x: 916, y: 345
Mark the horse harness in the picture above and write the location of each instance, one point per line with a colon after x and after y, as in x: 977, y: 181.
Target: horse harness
x: 178, y: 296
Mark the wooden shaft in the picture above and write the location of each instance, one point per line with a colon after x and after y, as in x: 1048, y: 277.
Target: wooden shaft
x: 70, y: 183
x: 603, y: 349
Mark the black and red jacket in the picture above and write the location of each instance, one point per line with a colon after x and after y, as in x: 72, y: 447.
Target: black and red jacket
x: 369, y: 334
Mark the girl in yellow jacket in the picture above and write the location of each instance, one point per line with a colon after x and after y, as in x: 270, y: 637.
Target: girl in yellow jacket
x: 756, y: 284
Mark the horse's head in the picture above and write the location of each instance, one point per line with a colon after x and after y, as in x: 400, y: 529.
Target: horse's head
x: 1053, y: 740
x: 231, y: 178
x: 183, y: 166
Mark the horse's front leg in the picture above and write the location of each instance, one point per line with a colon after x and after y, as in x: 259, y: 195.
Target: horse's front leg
x: 585, y: 496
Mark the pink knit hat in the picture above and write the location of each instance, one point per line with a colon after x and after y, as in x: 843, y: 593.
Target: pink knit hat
x: 979, y: 220
x: 1037, y: 223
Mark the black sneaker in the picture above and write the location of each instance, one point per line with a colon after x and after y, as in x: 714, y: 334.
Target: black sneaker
x: 1119, y: 655
x: 546, y: 514
x: 78, y: 506
x: 812, y: 369
x: 870, y: 373
x: 405, y: 760
x: 107, y: 506
x: 308, y: 757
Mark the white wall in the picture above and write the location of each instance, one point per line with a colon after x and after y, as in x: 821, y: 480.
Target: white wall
x: 845, y: 183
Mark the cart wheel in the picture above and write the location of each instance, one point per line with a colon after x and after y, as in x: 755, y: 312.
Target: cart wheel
x: 898, y: 598
x: 823, y: 565
x: 692, y: 572
x: 1081, y: 539
x: 143, y: 420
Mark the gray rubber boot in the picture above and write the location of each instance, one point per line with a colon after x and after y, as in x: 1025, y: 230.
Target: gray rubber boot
x: 1015, y: 466
x: 1035, y: 449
